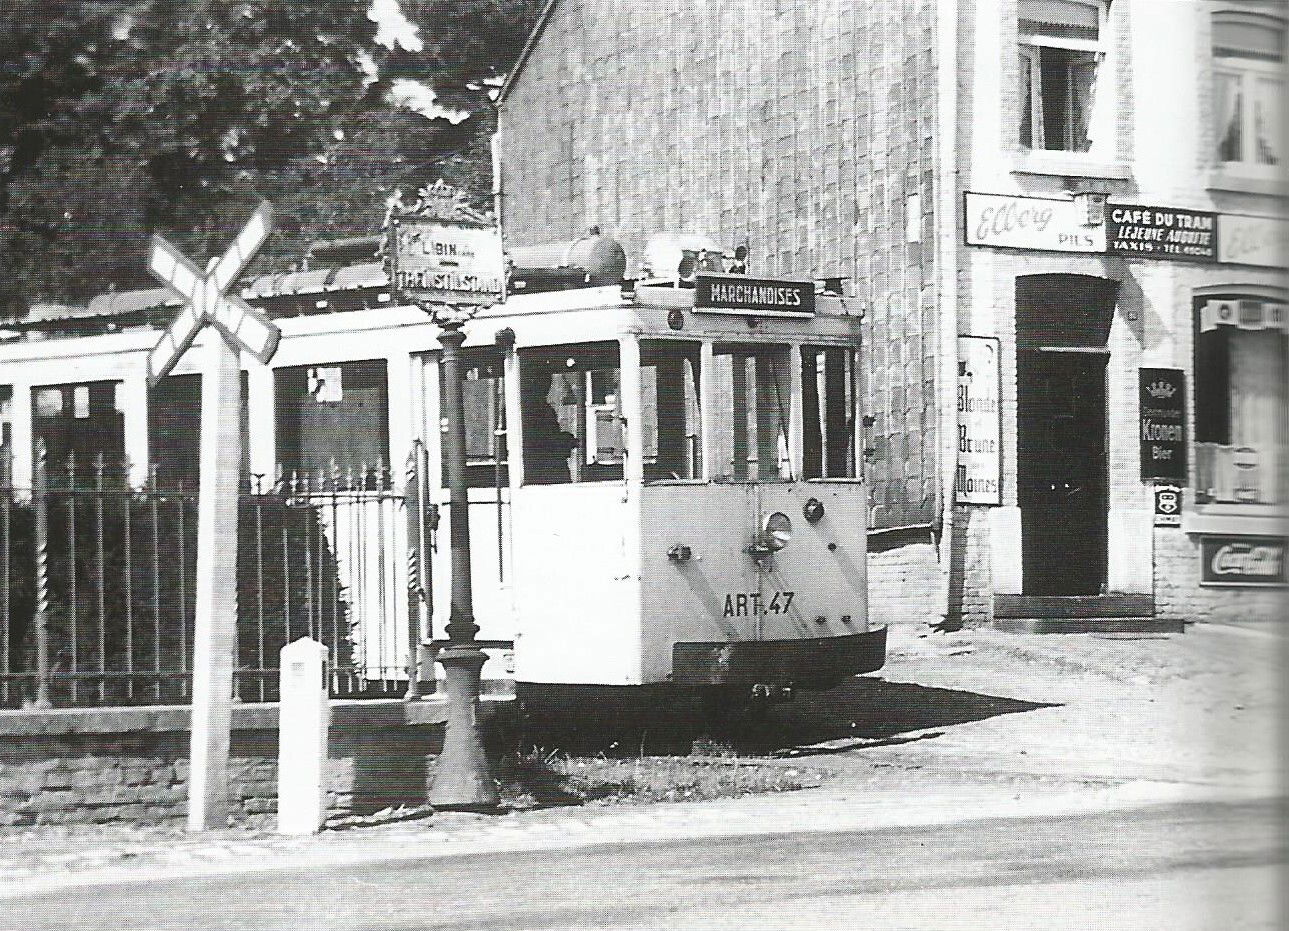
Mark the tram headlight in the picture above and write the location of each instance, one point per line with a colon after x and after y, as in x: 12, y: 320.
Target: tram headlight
x: 776, y: 531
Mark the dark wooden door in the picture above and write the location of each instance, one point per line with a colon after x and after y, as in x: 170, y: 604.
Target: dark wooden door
x: 1062, y: 471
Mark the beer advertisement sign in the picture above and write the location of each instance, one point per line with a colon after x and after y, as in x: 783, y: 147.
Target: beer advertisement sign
x: 978, y: 477
x: 1242, y: 560
x: 1163, y: 424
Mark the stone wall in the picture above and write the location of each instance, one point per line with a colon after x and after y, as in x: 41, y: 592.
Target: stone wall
x: 804, y: 130
x: 131, y: 764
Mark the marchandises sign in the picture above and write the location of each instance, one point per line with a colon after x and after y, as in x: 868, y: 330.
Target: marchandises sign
x: 1242, y: 561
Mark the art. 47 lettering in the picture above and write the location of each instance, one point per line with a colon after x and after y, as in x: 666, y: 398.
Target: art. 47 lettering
x: 739, y: 604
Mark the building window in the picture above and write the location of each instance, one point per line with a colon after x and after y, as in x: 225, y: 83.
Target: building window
x: 1060, y: 52
x: 1248, y: 89
x: 1240, y: 400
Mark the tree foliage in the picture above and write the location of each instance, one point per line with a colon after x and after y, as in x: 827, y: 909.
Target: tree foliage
x: 119, y: 118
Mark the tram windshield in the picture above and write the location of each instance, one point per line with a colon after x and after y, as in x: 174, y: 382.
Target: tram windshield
x: 574, y: 431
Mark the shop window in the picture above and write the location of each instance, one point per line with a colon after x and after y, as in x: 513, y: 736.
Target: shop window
x: 1060, y: 54
x: 1240, y: 400
x: 79, y: 423
x: 333, y: 422
x: 484, y: 400
x: 829, y: 389
x: 750, y: 413
x: 572, y: 414
x: 1248, y: 90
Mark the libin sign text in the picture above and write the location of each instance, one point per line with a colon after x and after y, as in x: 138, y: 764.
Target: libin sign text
x: 1242, y: 560
x: 767, y: 297
x: 446, y: 261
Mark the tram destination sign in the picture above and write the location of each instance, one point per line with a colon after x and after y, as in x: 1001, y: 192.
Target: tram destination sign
x: 1161, y: 233
x: 1163, y: 424
x: 765, y: 297
x: 454, y: 262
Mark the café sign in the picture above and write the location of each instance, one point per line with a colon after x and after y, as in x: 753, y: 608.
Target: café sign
x: 1163, y: 424
x: 767, y: 297
x: 1030, y: 223
x: 1162, y: 233
x: 1242, y: 560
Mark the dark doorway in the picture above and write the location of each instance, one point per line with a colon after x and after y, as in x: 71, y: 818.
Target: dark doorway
x: 1061, y: 452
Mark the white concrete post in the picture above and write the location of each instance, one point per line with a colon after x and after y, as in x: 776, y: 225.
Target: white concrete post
x: 215, y: 632
x: 304, y: 714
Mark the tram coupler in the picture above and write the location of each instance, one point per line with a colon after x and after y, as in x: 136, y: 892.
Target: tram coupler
x: 772, y: 694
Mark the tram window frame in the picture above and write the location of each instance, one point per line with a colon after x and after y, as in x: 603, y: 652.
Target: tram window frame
x: 830, y: 411
x: 567, y: 374
x: 741, y: 372
x: 301, y: 432
x: 482, y: 420
x: 671, y: 370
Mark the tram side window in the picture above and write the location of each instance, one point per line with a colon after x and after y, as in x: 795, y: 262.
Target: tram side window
x: 669, y: 409
x: 829, y: 401
x: 751, y: 410
x: 572, y: 414
x: 333, y: 420
x: 483, y: 397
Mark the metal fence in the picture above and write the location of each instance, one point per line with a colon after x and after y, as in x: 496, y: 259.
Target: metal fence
x: 98, y: 579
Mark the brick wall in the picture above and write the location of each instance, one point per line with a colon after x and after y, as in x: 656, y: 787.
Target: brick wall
x: 798, y: 129
x: 131, y: 764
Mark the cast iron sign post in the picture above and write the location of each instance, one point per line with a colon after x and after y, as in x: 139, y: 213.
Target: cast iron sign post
x: 447, y: 259
x: 241, y: 328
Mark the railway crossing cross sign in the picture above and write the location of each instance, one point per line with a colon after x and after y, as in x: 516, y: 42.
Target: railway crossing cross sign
x: 206, y: 301
x: 215, y: 632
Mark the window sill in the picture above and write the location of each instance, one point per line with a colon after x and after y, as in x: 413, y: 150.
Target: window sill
x: 1266, y: 520
x: 1225, y: 180
x: 1068, y: 165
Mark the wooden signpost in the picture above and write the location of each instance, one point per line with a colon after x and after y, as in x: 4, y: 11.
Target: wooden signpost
x: 241, y: 328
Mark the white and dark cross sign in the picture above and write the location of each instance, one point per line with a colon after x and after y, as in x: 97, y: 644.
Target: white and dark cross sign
x: 206, y: 301
x: 214, y: 643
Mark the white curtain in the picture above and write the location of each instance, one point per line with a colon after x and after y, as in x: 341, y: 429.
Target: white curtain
x: 1268, y: 127
x: 1227, y: 106
x: 1258, y: 403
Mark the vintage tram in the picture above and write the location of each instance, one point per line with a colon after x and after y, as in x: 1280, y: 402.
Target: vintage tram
x: 664, y: 485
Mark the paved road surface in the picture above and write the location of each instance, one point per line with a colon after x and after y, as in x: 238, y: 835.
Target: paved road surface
x: 1209, y: 865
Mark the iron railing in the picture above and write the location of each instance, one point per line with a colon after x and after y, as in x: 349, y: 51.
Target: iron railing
x: 98, y: 580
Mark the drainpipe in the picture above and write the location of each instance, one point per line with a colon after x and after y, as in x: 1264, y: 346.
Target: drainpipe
x: 946, y: 244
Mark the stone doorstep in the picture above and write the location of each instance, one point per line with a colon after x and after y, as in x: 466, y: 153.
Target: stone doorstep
x: 1090, y: 625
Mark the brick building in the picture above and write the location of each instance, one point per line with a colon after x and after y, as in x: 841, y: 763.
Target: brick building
x: 1065, y: 219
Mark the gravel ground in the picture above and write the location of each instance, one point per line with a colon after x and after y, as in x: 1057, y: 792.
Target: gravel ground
x: 955, y: 725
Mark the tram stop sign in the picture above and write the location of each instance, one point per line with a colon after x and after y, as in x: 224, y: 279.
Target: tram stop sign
x: 205, y: 299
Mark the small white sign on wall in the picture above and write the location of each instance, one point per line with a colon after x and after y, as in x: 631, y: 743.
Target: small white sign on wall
x: 1013, y: 222
x: 978, y: 478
